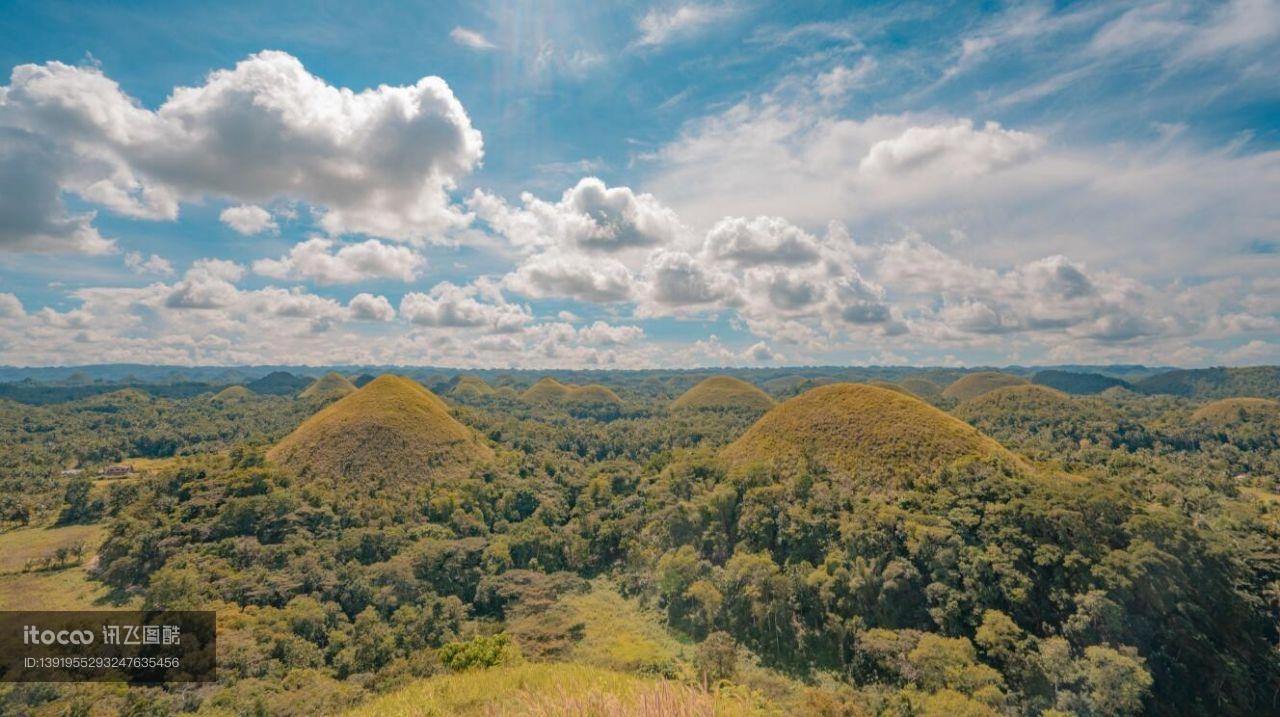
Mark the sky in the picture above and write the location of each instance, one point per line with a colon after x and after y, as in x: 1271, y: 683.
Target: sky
x: 614, y: 185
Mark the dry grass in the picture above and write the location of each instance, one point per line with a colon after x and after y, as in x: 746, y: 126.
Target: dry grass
x: 662, y: 699
x: 924, y: 388
x: 470, y: 387
x: 1026, y: 396
x: 862, y: 430
x: 719, y: 392
x: 976, y: 384
x: 329, y: 387
x: 392, y: 429
x: 233, y: 394
x: 19, y: 547
x: 1231, y: 411
x: 67, y: 589
x: 549, y: 390
x: 561, y: 689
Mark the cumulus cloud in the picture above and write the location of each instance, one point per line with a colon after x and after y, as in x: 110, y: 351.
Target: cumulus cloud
x: 760, y: 240
x: 551, y: 275
x: 208, y: 284
x: 248, y: 219
x: 677, y: 282
x: 154, y: 264
x: 470, y: 38
x: 590, y: 217
x: 379, y: 161
x: 367, y: 307
x: 761, y: 352
x: 450, y: 306
x: 10, y: 306
x: 956, y: 148
x: 316, y: 260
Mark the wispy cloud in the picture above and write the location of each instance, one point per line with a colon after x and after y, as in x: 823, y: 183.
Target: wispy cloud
x: 470, y: 38
x: 661, y: 27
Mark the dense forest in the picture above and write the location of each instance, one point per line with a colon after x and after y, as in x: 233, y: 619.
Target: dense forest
x: 818, y: 541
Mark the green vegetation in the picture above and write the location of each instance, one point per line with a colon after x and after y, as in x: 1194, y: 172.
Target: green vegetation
x: 1260, y: 381
x: 723, y: 393
x: 853, y: 551
x: 1078, y: 383
x: 973, y: 385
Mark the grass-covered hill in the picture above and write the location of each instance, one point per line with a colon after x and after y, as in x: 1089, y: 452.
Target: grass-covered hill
x: 470, y: 387
x: 232, y: 394
x: 923, y: 388
x: 589, y: 400
x: 975, y: 384
x: 860, y: 429
x: 723, y: 393
x: 329, y: 387
x: 392, y: 430
x: 1235, y: 411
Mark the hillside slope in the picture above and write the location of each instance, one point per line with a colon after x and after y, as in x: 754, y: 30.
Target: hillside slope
x: 860, y: 429
x: 392, y: 429
x: 723, y: 392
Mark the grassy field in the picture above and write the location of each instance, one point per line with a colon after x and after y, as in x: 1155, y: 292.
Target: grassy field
x: 17, y: 547
x: 545, y: 689
x: 65, y: 589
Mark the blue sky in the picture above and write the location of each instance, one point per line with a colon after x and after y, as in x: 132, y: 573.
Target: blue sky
x: 611, y: 184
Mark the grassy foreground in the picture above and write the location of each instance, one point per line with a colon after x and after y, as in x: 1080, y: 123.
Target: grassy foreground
x: 544, y: 689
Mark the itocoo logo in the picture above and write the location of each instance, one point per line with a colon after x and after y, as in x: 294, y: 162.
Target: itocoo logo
x: 32, y: 635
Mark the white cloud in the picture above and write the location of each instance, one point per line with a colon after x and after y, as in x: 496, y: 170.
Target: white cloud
x: 841, y: 80
x: 248, y: 219
x: 367, y: 307
x: 679, y: 283
x: 590, y: 217
x: 598, y: 280
x: 470, y: 38
x: 379, y: 161
x: 10, y: 306
x: 664, y: 26
x: 208, y: 284
x: 955, y: 148
x: 451, y: 306
x: 761, y: 240
x: 761, y: 352
x: 603, y: 334
x: 154, y: 264
x: 315, y: 260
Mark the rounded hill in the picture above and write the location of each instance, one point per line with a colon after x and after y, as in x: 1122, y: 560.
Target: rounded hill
x: 922, y: 387
x: 1025, y: 396
x: 592, y: 395
x: 549, y: 390
x: 545, y: 390
x: 232, y: 394
x: 328, y: 387
x: 976, y: 384
x: 1236, y: 411
x: 723, y: 392
x: 860, y: 429
x: 470, y: 387
x: 391, y: 430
